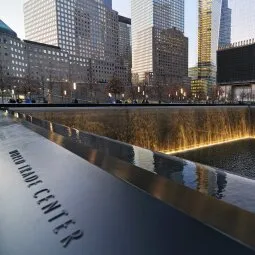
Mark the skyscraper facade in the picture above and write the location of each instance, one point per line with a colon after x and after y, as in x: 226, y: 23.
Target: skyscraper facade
x: 225, y: 24
x: 208, y: 40
x: 243, y: 20
x: 125, y: 49
x: 157, y: 27
x: 87, y: 29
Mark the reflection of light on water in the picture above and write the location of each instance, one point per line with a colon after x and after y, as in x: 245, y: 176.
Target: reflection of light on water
x: 69, y: 131
x: 77, y: 133
x: 144, y: 158
x: 200, y: 146
x: 5, y: 113
x: 51, y: 127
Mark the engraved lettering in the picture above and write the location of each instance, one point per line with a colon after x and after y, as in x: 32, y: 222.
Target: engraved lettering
x: 28, y: 174
x: 41, y: 191
x: 34, y: 184
x: 75, y: 236
x: 17, y: 157
x: 20, y: 162
x: 12, y: 152
x: 31, y: 179
x: 26, y: 170
x: 51, y: 207
x: 45, y: 199
x: 65, y: 226
x: 64, y: 213
x: 15, y: 154
x: 23, y: 167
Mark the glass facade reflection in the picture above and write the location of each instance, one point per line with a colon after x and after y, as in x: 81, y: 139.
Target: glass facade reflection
x: 243, y: 20
x: 225, y: 24
x: 125, y: 50
x: 150, y: 19
x: 208, y: 38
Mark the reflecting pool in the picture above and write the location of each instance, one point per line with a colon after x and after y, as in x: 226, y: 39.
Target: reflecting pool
x: 162, y: 129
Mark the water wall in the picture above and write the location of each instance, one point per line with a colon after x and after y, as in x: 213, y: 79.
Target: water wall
x: 165, y: 129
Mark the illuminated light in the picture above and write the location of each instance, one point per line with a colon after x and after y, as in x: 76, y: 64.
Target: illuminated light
x: 74, y: 86
x: 69, y: 131
x: 65, y: 92
x: 51, y: 127
x: 110, y: 95
x: 138, y: 89
x: 5, y: 113
x: 201, y: 146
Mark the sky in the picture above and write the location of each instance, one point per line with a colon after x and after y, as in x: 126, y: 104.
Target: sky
x: 11, y: 12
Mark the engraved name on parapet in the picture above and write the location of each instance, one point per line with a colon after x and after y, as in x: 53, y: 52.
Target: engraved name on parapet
x: 47, y: 201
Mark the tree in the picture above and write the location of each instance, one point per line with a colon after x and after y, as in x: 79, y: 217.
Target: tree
x: 115, y: 87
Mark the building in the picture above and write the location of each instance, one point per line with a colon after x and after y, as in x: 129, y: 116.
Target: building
x: 170, y: 58
x: 88, y: 30
x: 193, y: 73
x: 125, y: 48
x: 236, y: 71
x: 208, y: 39
x: 159, y: 47
x: 243, y: 20
x: 225, y: 24
x: 28, y: 65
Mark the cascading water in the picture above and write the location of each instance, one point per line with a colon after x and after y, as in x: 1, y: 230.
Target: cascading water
x: 164, y: 129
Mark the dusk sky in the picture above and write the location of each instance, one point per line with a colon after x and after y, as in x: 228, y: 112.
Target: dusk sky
x: 11, y: 12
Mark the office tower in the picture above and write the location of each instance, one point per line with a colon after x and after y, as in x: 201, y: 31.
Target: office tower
x: 225, y: 24
x: 243, y: 20
x: 125, y: 50
x: 208, y: 39
x: 29, y: 64
x: 108, y: 3
x: 87, y: 29
x: 157, y: 29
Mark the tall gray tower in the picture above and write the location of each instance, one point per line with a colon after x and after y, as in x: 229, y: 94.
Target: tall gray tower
x: 243, y: 20
x: 157, y: 28
x: 225, y: 24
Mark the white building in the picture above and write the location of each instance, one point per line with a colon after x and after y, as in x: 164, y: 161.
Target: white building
x: 88, y: 30
x: 153, y: 39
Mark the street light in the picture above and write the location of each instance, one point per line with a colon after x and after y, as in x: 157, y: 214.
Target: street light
x: 74, y: 86
x: 138, y: 89
x: 65, y: 92
x: 181, y: 90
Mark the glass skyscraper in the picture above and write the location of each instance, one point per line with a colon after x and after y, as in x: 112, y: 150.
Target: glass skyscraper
x: 208, y: 40
x: 149, y: 19
x: 225, y: 24
x: 243, y: 20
